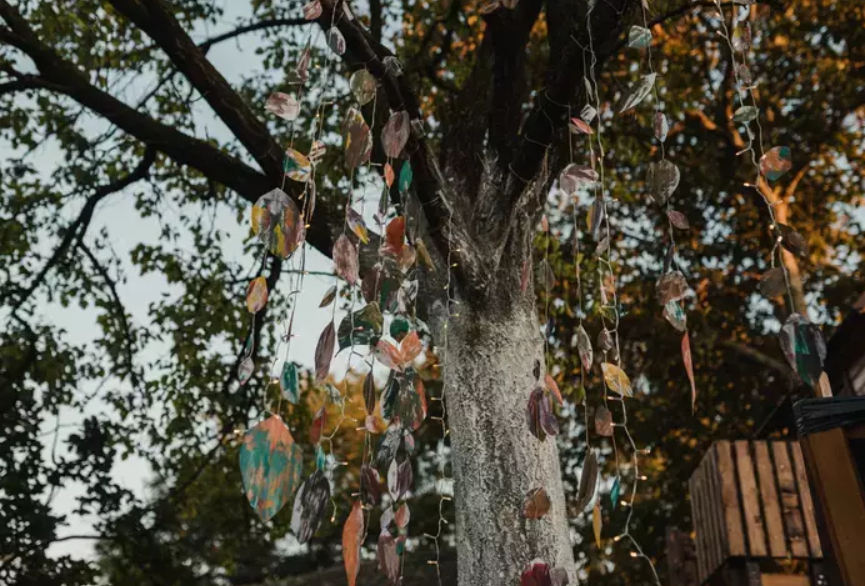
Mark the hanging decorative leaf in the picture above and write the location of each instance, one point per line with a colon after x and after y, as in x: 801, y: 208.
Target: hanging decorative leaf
x: 389, y: 175
x: 533, y: 412
x: 358, y: 139
x: 578, y: 126
x: 490, y: 6
x: 270, y: 465
x: 641, y: 90
x: 548, y: 418
x: 324, y: 352
x: 639, y: 37
x: 776, y: 162
x: 317, y: 427
x: 544, y: 275
x: 411, y: 403
x: 584, y: 347
x: 386, y: 518
x: 553, y: 387
x: 394, y: 135
x: 588, y: 482
x: 537, y: 573
x: 352, y: 537
x: 674, y: 314
x: 283, y: 105
x: 363, y: 86
x: 536, y: 504
x: 671, y: 287
x: 399, y: 357
x: 615, y: 492
x: 661, y: 126
x: 277, y: 222
x: 605, y: 341
x: 394, y: 237
x: 370, y: 485
x: 804, y: 347
x: 603, y: 246
x: 773, y: 282
x: 603, y: 421
x: 399, y: 478
x: 662, y: 180
x: 597, y: 523
x: 402, y: 517
x: 388, y: 558
x: 328, y: 298
x: 424, y: 255
x: 256, y: 295
x: 310, y: 506
x: 678, y: 219
x: 345, y: 258
x: 745, y: 114
x: 793, y: 241
x: 312, y: 10
x: 588, y: 112
x: 297, y: 166
x: 689, y: 368
x: 741, y: 40
x: 596, y: 218
x: 405, y: 177
x: 301, y: 70
x: 362, y: 328
x: 245, y: 370
x: 616, y: 379
x: 357, y: 225
x: 289, y: 383
x: 320, y: 458
x: 369, y: 392
x: 575, y: 176
x: 336, y: 41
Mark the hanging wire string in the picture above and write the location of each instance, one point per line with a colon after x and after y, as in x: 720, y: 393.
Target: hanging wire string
x: 606, y: 264
x: 745, y: 91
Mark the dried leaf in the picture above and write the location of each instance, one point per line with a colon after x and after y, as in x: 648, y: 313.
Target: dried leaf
x: 345, y: 258
x: 588, y: 481
x: 597, y: 523
x: 678, y: 219
x: 588, y: 112
x: 283, y: 105
x: 399, y: 478
x: 399, y: 357
x: 533, y: 412
x: 603, y: 421
x: 256, y: 295
x: 301, y: 70
x: 641, y: 90
x: 405, y: 177
x: 324, y: 352
x: 424, y: 255
x: 394, y: 237
x: 270, y: 465
x: 544, y: 275
x: 662, y: 180
x: 689, y: 368
x: 245, y: 370
x: 554, y: 388
x: 352, y: 536
x: 595, y: 218
x: 310, y: 506
x: 584, y: 347
x: 394, y: 135
x: 536, y: 504
x: 773, y: 282
x: 616, y: 379
x: 741, y: 40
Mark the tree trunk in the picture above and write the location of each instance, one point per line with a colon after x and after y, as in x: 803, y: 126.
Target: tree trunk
x: 489, y: 368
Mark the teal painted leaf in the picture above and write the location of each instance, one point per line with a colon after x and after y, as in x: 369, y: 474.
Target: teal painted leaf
x: 639, y: 37
x: 405, y: 177
x: 776, y: 162
x: 615, y: 492
x: 270, y: 464
x: 674, y: 314
x: 363, y: 328
x: 320, y: 458
x: 289, y: 384
x: 804, y: 347
x: 399, y: 328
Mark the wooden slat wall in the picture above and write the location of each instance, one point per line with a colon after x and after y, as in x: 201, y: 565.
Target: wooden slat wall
x: 751, y: 500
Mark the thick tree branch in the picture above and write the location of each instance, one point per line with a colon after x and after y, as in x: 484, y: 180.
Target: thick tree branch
x: 76, y: 230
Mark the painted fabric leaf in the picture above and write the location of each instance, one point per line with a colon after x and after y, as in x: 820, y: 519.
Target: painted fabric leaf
x: 317, y: 426
x: 329, y: 296
x: 288, y: 382
x: 352, y: 537
x: 605, y: 341
x: 575, y: 176
x: 357, y: 225
x: 358, y: 139
x: 553, y: 387
x: 401, y: 356
x: 804, y: 347
x: 380, y: 285
x: 361, y: 328
x: 639, y: 93
x: 256, y: 295
x: 317, y: 150
x: 536, y: 504
x: 616, y: 492
x: 745, y: 114
x: 537, y: 573
x: 661, y: 126
x: 689, y: 368
x: 369, y: 392
x: 370, y: 485
x: 399, y: 478
x: 310, y: 506
x: 283, y: 105
x: 405, y: 177
x: 545, y: 277
x: 300, y: 74
x: 588, y: 482
x: 411, y: 404
x: 277, y: 222
x: 312, y: 10
x: 394, y: 135
x: 402, y: 517
x: 678, y: 219
x: 540, y: 416
x: 578, y: 126
x: 595, y: 218
x: 388, y: 558
x: 793, y: 241
x: 741, y: 40
x: 639, y: 37
x: 345, y: 258
x: 336, y: 41
x: 776, y: 162
x: 297, y: 166
x: 662, y: 180
x: 270, y: 465
x: 362, y: 86
x: 674, y: 314
x: 386, y: 518
x: 597, y: 523
x: 588, y: 112
x: 388, y: 446
x: 773, y: 282
x: 245, y: 370
x: 616, y: 379
x: 603, y: 421
x: 389, y: 174
x: 671, y: 287
x: 584, y: 347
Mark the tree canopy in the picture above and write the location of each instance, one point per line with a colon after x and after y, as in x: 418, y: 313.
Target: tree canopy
x: 107, y: 101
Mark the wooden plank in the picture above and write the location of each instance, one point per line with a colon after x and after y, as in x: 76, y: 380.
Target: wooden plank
x: 700, y: 539
x: 838, y: 492
x: 701, y: 525
x: 790, y: 503
x: 784, y: 580
x: 713, y: 511
x: 750, y: 500
x: 807, y: 502
x: 771, y: 501
x: 730, y: 498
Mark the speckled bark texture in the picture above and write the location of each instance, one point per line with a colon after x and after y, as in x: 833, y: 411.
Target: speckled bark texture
x: 496, y: 460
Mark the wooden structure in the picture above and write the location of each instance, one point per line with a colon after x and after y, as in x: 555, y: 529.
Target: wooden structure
x: 754, y: 517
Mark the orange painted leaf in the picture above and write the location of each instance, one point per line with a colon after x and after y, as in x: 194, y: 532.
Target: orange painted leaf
x: 352, y: 534
x: 317, y: 426
x: 689, y: 368
x: 597, y: 522
x: 536, y: 504
x: 395, y: 236
x: 554, y: 388
x: 389, y: 175
x: 256, y: 295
